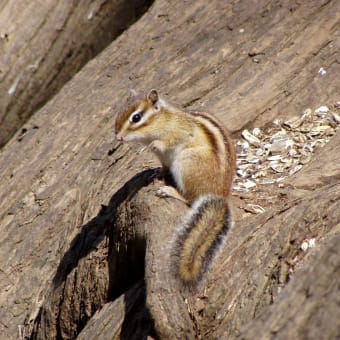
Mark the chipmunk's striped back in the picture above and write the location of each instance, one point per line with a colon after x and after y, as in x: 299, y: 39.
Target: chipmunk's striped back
x: 221, y: 145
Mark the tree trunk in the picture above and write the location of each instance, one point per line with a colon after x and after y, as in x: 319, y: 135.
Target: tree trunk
x: 44, y: 43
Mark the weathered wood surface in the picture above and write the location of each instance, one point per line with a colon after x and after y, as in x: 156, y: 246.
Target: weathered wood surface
x: 63, y: 256
x: 44, y: 43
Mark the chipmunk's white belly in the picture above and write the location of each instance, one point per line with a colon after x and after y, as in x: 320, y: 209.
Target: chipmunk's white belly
x: 176, y: 169
x: 176, y: 172
x: 172, y: 159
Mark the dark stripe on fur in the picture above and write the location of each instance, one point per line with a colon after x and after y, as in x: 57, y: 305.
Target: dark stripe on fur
x: 211, y: 136
x: 229, y: 147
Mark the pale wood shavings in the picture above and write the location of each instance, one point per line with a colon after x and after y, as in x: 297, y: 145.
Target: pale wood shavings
x: 271, y: 156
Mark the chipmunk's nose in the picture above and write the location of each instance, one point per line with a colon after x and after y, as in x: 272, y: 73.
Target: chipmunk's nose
x: 119, y: 138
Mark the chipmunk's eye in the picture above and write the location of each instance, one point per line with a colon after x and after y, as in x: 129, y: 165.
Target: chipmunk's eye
x: 136, y: 117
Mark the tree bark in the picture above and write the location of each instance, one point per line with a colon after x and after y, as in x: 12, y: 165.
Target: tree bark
x: 84, y: 239
x: 44, y: 43
x: 308, y: 308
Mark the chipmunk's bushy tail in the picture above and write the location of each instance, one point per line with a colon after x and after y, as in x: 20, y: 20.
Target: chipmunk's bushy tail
x: 199, y: 239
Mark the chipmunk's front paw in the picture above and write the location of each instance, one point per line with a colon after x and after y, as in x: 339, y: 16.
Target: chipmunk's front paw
x: 167, y: 191
x: 158, y: 146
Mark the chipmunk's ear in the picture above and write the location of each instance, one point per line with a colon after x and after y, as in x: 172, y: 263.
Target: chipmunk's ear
x: 133, y: 94
x: 153, y: 96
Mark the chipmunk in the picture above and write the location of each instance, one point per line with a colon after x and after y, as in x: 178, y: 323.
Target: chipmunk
x: 198, y: 154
